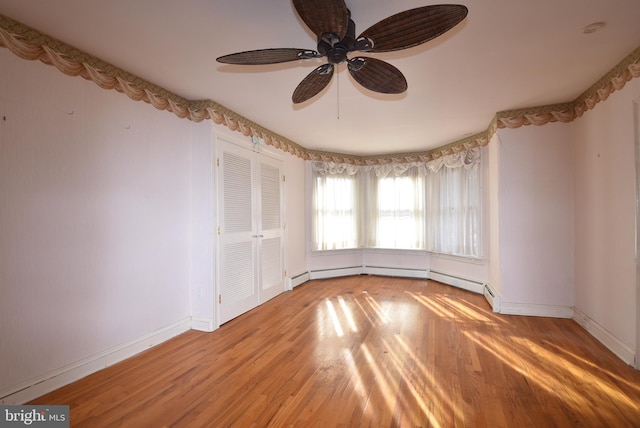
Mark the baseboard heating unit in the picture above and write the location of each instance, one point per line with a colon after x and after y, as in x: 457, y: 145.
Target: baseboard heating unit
x: 336, y: 272
x: 396, y: 271
x: 369, y: 270
x: 492, y: 297
x: 297, y: 280
x: 464, y: 283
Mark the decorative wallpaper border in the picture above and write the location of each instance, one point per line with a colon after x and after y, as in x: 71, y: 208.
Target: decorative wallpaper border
x: 30, y: 44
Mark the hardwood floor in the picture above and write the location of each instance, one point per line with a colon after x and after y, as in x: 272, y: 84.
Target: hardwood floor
x: 366, y: 351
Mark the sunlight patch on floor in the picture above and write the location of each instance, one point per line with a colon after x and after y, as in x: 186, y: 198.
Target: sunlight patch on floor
x: 432, y: 306
x: 411, y: 381
x: 463, y: 309
x: 517, y: 356
x: 562, y: 365
x: 384, y: 318
x: 388, y: 392
x: 334, y: 317
x: 348, y: 315
x: 593, y: 366
x: 432, y: 387
x: 358, y: 384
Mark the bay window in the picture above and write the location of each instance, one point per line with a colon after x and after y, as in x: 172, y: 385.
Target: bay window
x: 434, y: 206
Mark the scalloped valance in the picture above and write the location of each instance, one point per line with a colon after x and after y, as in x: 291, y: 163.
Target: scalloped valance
x: 467, y: 159
x: 28, y: 43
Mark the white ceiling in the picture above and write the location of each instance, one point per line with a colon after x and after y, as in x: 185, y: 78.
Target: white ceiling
x: 505, y: 55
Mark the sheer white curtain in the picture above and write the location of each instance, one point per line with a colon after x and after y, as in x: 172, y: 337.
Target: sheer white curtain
x: 395, y: 201
x: 434, y: 206
x: 335, y: 218
x: 453, y: 216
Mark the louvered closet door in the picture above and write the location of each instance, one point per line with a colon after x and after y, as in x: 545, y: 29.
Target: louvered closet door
x: 238, y: 290
x: 251, y: 234
x: 271, y: 229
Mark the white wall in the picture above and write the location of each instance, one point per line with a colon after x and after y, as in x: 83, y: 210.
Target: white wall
x: 296, y: 220
x: 605, y: 215
x: 94, y: 219
x: 493, y: 211
x: 202, y: 229
x: 536, y: 208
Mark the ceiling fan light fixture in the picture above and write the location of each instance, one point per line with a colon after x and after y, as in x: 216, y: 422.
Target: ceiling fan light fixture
x: 364, y: 44
x: 325, y: 69
x: 356, y: 64
x: 330, y: 38
x: 308, y: 54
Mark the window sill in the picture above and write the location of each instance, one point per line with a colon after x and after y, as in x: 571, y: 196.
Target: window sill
x: 405, y: 251
x: 335, y: 252
x: 374, y: 250
x: 465, y: 259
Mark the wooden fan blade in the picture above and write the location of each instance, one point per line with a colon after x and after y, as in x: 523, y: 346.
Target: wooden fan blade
x: 413, y: 27
x: 315, y: 82
x: 324, y: 16
x: 266, y: 56
x: 377, y: 75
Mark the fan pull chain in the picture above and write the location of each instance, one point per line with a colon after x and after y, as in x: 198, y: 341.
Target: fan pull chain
x: 338, y: 88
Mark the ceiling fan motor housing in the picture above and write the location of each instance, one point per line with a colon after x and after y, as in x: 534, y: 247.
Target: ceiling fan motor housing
x: 336, y: 50
x: 337, y: 55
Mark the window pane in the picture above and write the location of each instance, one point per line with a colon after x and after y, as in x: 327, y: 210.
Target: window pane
x: 335, y: 219
x: 400, y: 212
x: 453, y: 214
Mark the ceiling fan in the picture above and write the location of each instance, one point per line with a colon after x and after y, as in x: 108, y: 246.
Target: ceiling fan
x: 331, y: 21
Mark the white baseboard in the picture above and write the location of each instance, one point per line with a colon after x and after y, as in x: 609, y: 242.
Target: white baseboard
x: 53, y: 380
x: 612, y: 343
x: 534, y: 310
x: 527, y: 309
x: 395, y: 271
x: 202, y: 324
x: 605, y: 337
x: 508, y: 308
